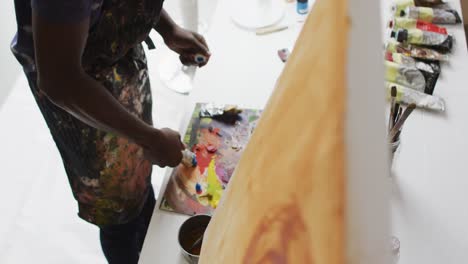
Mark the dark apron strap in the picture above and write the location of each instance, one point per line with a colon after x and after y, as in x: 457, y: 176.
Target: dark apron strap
x: 149, y: 42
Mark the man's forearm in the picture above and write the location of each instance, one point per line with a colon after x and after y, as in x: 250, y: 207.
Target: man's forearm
x: 62, y: 78
x: 165, y: 25
x: 90, y: 102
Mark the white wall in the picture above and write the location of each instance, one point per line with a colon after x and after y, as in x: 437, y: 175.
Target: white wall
x: 9, y: 67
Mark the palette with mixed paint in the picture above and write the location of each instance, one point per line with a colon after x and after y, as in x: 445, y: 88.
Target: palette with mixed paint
x: 218, y: 143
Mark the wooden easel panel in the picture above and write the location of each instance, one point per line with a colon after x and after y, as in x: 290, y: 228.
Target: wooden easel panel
x: 286, y: 201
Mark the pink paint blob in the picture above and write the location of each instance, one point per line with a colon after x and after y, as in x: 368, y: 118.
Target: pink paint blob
x: 221, y: 173
x: 211, y: 149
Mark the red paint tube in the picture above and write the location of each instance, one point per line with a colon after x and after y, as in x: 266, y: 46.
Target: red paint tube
x: 409, y: 23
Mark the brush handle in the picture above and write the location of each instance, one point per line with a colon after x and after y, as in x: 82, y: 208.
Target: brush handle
x: 391, y: 121
x: 196, y: 243
x: 402, y: 120
x: 392, y: 111
x: 396, y: 113
x: 269, y: 30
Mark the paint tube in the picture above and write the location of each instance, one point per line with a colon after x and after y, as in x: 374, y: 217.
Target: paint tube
x: 409, y: 23
x: 200, y: 59
x: 433, y: 40
x: 410, y: 96
x: 405, y: 75
x: 415, y: 51
x: 429, y: 2
x: 189, y: 159
x: 430, y: 70
x: 399, y: 5
x: 432, y: 15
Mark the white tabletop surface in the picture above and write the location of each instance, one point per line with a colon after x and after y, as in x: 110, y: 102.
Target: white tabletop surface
x: 429, y: 187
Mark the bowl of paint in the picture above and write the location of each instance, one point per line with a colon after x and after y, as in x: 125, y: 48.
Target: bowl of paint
x: 190, y: 236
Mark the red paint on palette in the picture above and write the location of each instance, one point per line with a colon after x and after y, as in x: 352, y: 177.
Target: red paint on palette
x: 203, y: 157
x: 216, y: 131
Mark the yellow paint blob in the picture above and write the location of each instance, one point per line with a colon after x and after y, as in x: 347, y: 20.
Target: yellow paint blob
x: 214, y: 188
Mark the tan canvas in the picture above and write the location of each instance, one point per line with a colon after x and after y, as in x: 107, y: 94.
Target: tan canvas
x: 285, y: 202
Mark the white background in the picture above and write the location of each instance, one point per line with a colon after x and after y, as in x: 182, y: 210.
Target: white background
x: 9, y: 69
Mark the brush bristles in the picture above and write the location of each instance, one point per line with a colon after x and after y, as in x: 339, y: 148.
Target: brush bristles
x: 394, y: 91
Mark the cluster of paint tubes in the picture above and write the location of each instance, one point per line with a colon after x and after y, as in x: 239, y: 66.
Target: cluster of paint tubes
x: 418, y: 44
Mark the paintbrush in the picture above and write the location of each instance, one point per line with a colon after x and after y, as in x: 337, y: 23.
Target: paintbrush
x: 393, y: 94
x: 269, y: 30
x: 397, y: 136
x: 197, y: 242
x: 398, y: 116
x: 399, y: 124
x: 396, y: 113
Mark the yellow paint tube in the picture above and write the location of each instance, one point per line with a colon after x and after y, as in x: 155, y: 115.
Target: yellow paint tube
x: 405, y: 75
x: 431, y: 15
x: 430, y: 70
x: 400, y: 5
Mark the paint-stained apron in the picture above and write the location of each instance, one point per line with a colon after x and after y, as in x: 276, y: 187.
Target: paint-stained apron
x: 109, y: 176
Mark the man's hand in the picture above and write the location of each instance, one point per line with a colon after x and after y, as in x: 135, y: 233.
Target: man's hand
x: 187, y: 44
x: 164, y: 148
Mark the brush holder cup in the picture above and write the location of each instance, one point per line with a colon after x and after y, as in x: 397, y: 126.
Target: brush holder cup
x: 191, y: 237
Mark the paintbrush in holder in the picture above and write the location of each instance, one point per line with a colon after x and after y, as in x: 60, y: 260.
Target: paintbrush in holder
x: 396, y: 121
x: 399, y: 122
x: 395, y: 111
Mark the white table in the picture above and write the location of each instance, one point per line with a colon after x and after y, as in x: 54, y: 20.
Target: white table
x: 429, y: 188
x: 243, y: 71
x: 429, y: 193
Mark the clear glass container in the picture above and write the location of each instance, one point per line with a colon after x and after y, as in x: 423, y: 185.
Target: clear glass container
x: 395, y: 249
